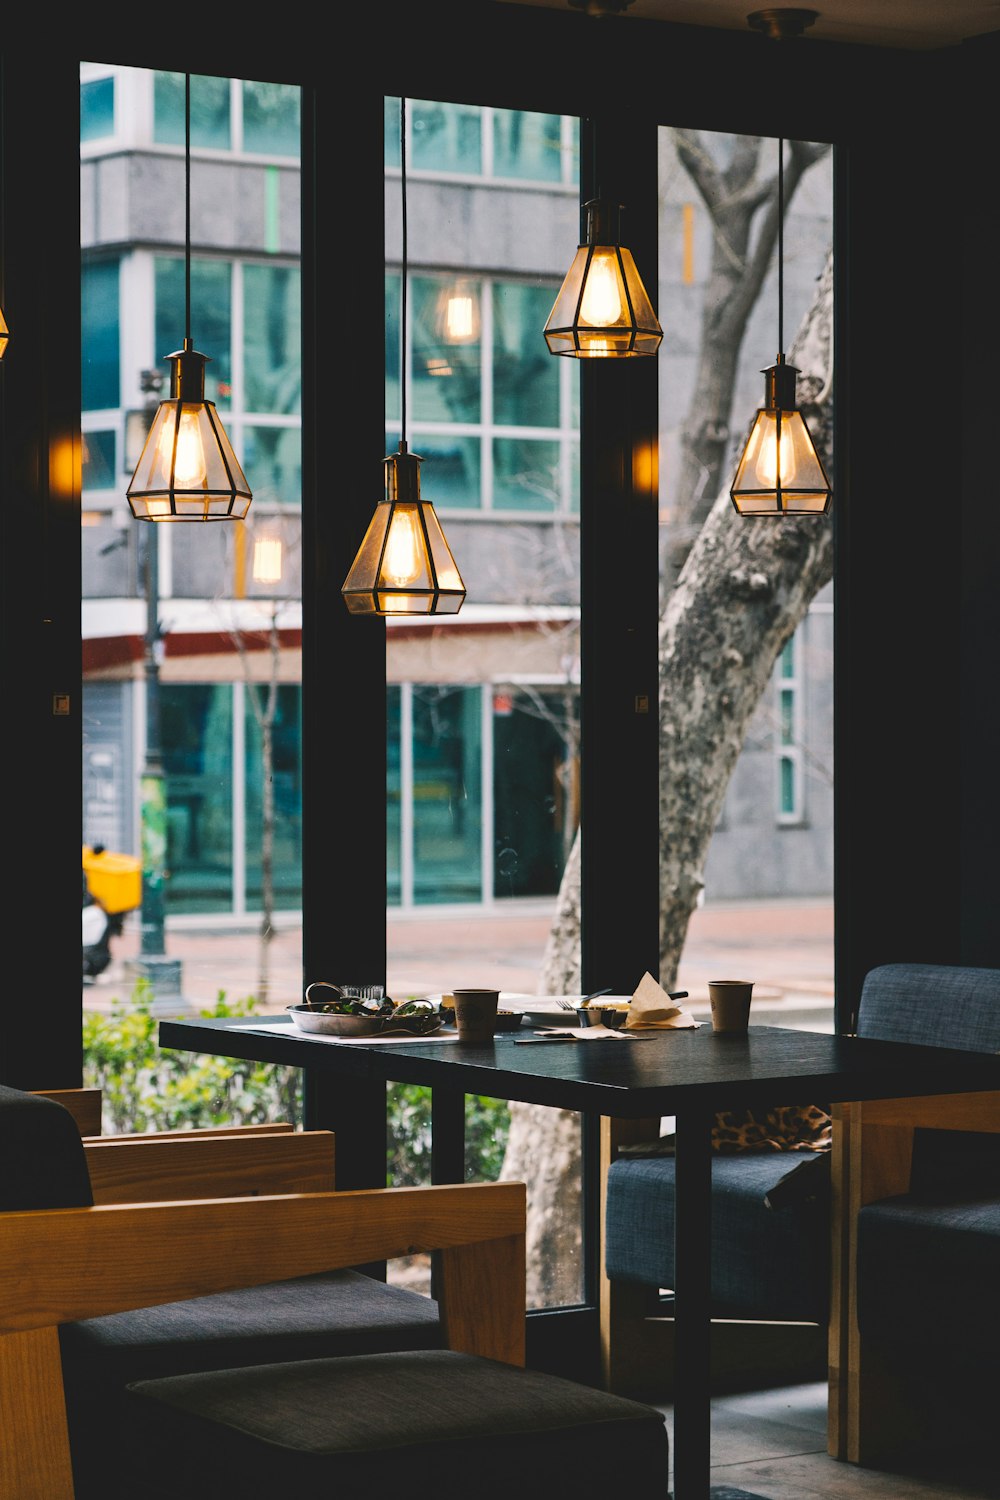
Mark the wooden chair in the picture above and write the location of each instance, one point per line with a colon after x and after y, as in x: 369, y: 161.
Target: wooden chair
x: 923, y: 1232
x: 68, y: 1262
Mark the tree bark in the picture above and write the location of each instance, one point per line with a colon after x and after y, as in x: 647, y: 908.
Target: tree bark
x: 744, y: 588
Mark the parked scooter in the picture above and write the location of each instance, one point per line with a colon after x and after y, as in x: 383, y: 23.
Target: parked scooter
x: 112, y: 887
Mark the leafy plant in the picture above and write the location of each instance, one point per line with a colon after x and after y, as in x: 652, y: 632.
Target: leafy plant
x: 145, y: 1088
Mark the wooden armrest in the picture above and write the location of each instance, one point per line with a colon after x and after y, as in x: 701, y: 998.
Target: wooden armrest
x: 137, y: 1169
x: 83, y: 1104
x: 936, y: 1112
x: 60, y: 1265
x: 279, y: 1127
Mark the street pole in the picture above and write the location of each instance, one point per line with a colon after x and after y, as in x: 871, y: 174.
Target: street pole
x: 163, y: 974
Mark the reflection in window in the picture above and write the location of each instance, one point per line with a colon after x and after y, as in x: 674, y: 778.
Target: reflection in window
x: 98, y: 460
x: 453, y: 467
x: 527, y: 145
x: 101, y: 332
x: 535, y: 787
x: 272, y: 339
x: 525, y: 376
x: 97, y: 109
x: 447, y: 385
x: 271, y: 119
x: 285, y: 774
x: 447, y: 798
x: 210, y: 125
x: 525, y: 474
x: 196, y: 734
x: 444, y: 137
x: 211, y: 316
x: 272, y: 462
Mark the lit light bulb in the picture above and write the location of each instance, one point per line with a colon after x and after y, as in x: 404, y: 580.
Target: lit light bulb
x: 189, y: 463
x: 602, y: 303
x: 460, y: 318
x: 403, y: 553
x: 776, y: 460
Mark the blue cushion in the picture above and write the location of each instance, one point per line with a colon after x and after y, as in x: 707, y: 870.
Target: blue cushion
x: 766, y: 1262
x: 927, y: 1275
x: 431, y: 1422
x: 940, y: 1005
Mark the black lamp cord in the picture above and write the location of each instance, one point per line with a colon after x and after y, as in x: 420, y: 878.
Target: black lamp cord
x: 402, y: 301
x: 781, y: 245
x: 187, y: 210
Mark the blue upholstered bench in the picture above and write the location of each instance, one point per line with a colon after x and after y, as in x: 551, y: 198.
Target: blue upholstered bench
x: 927, y: 1285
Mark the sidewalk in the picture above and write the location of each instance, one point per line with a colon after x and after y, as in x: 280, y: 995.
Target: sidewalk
x: 785, y: 947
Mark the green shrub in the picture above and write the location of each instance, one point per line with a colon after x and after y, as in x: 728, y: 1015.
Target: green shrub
x: 146, y: 1088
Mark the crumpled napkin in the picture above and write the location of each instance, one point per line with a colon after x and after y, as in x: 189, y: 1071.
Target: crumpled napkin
x: 652, y: 1007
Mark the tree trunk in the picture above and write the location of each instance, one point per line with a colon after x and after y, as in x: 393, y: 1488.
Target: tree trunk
x: 743, y: 590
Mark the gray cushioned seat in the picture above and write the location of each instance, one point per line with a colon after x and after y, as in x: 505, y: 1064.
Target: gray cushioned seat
x: 766, y: 1262
x: 428, y: 1422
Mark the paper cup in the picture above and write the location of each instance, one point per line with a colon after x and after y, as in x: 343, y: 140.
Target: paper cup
x: 730, y: 1003
x: 476, y: 1014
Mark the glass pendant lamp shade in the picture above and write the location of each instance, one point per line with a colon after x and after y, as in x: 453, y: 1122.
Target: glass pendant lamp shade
x: 404, y: 565
x: 187, y: 470
x: 4, y: 334
x: 602, y: 310
x: 780, y: 472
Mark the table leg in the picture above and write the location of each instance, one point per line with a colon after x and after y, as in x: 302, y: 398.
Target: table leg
x: 447, y: 1136
x: 355, y: 1110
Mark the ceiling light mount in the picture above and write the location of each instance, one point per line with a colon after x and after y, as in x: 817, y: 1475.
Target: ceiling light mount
x: 782, y: 24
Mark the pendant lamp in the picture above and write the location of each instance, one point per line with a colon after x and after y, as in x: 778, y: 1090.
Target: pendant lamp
x: 187, y: 470
x: 602, y: 310
x: 4, y: 334
x: 780, y: 472
x: 404, y: 565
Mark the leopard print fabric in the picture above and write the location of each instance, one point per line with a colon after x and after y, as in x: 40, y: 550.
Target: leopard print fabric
x: 787, y: 1127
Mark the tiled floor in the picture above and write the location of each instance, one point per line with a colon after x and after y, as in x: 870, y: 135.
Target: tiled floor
x: 773, y: 1444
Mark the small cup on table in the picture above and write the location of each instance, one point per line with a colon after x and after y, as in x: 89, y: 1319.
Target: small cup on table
x: 476, y: 1014
x: 730, y: 1000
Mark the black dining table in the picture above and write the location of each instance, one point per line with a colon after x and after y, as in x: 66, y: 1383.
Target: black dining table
x: 688, y: 1074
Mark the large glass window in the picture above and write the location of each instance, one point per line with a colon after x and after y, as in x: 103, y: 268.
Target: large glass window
x: 97, y: 109
x: 272, y: 339
x: 447, y: 795
x: 210, y: 111
x: 196, y: 732
x: 271, y: 118
x: 274, y: 757
x: 741, y: 817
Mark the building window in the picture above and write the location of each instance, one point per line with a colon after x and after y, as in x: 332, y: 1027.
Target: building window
x: 498, y: 416
x: 788, y: 741
x: 101, y: 328
x: 466, y: 140
x: 211, y: 316
x: 97, y: 109
x: 271, y: 119
x: 210, y: 111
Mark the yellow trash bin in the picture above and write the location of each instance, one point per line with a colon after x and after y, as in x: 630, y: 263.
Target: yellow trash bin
x: 114, y: 880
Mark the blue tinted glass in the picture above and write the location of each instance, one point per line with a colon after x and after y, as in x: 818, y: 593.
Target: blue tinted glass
x: 97, y: 109
x: 445, y: 137
x: 525, y: 474
x: 787, y: 716
x: 98, y: 461
x: 211, y: 318
x: 272, y: 119
x: 196, y: 737
x: 527, y: 146
x: 209, y: 111
x: 447, y: 801
x: 450, y: 472
x: 272, y: 339
x: 393, y: 798
x: 525, y: 376
x: 535, y: 741
x: 445, y: 379
x: 787, y: 770
x: 100, y: 327
x: 390, y: 131
x: 272, y: 462
x: 392, y: 369
x: 285, y: 776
